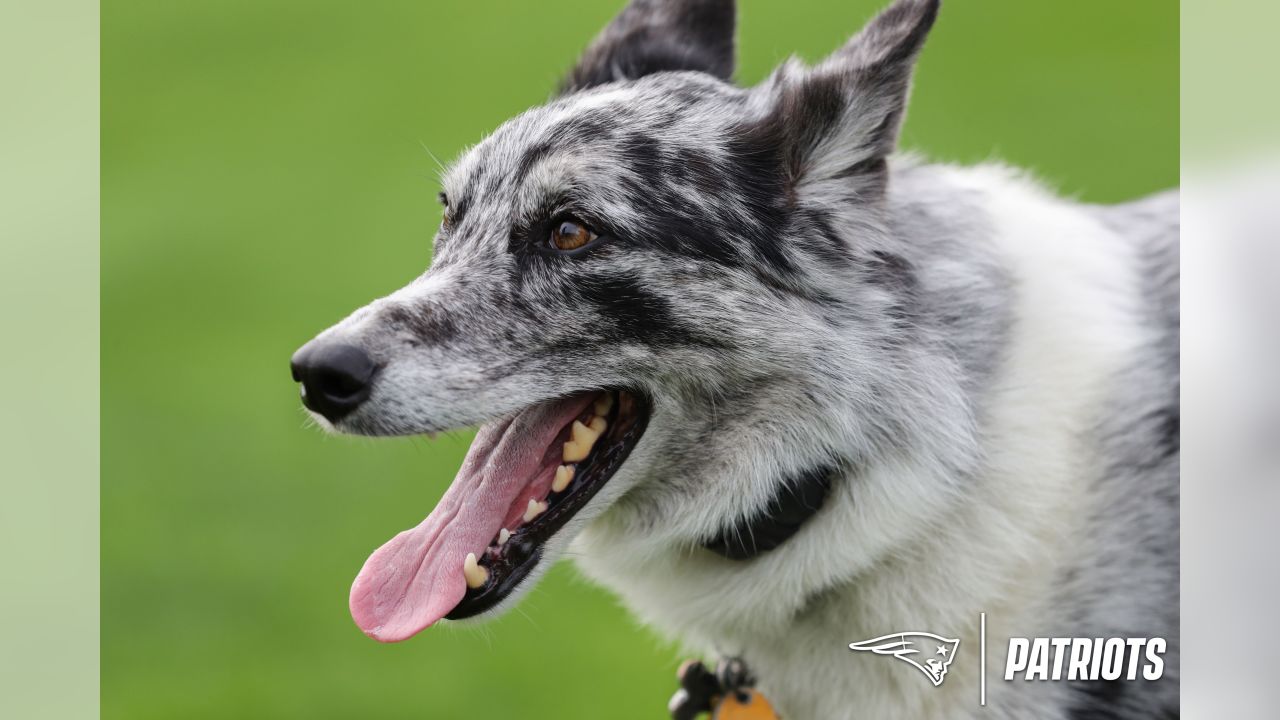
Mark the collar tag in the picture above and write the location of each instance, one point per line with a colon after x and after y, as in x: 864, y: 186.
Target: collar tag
x: 744, y: 705
x: 728, y: 693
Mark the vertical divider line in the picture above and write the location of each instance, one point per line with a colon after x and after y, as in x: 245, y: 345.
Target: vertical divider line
x: 982, y: 652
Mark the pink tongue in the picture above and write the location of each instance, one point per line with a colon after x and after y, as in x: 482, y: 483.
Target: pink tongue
x: 416, y: 578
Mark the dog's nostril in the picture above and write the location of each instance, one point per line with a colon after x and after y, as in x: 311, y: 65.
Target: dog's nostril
x: 336, y: 382
x: 335, y: 378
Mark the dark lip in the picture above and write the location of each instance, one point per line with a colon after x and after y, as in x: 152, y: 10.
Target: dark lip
x: 523, y: 551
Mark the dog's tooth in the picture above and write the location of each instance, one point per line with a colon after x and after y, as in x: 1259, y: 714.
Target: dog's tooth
x: 564, y: 476
x: 598, y: 424
x: 603, y: 404
x: 575, y: 452
x: 580, y: 441
x: 476, y: 575
x: 503, y: 536
x: 585, y: 434
x: 534, y: 510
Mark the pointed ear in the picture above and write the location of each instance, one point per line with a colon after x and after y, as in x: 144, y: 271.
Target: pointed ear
x: 651, y: 36
x: 840, y: 120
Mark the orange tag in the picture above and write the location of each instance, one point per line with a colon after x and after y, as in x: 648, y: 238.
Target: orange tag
x: 751, y: 706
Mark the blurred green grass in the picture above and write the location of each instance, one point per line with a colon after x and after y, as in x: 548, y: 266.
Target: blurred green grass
x: 267, y: 167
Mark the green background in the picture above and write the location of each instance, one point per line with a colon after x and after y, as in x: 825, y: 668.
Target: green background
x: 267, y: 167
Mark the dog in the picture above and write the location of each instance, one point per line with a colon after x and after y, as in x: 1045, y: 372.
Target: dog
x: 780, y: 387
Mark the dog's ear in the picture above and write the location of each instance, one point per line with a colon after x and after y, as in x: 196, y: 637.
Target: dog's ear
x: 651, y: 36
x: 839, y: 121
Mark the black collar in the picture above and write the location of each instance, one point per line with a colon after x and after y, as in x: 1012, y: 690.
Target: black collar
x: 797, y: 499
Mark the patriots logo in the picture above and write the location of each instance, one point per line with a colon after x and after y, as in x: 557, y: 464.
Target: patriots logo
x: 928, y: 653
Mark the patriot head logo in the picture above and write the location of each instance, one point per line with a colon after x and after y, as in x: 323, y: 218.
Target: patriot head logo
x: 929, y: 653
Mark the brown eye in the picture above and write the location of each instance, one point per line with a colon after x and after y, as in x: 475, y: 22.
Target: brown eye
x: 569, y: 235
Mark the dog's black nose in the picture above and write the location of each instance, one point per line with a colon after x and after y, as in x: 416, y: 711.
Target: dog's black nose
x: 335, y: 378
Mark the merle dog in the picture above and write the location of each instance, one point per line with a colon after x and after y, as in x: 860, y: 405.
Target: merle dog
x: 779, y: 388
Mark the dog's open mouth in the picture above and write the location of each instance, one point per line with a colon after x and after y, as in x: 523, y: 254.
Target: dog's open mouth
x: 524, y: 477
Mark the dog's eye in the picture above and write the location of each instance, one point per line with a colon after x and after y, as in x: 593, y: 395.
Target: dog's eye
x: 571, y: 235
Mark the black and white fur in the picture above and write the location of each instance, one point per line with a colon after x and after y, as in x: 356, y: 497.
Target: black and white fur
x: 991, y: 370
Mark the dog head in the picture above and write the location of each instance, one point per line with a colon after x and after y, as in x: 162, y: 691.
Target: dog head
x: 657, y: 292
